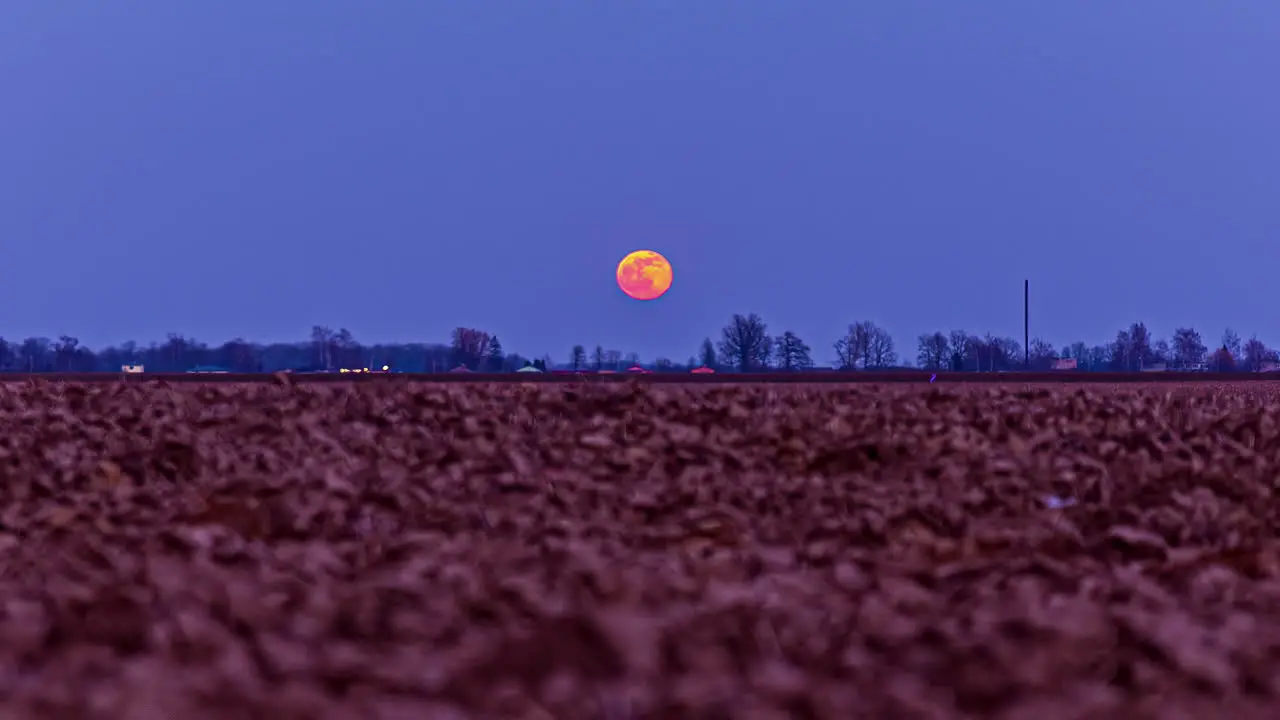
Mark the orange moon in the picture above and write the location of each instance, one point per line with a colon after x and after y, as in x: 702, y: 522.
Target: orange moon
x: 644, y: 275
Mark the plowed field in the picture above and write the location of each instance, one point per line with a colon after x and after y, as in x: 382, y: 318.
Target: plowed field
x: 638, y: 551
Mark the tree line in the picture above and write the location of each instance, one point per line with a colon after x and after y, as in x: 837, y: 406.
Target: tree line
x: 745, y: 344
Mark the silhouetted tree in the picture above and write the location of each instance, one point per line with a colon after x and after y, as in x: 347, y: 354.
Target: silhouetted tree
x: 344, y: 351
x: 1161, y: 352
x: 933, y: 352
x: 34, y: 354
x: 791, y: 352
x: 1231, y: 341
x: 865, y: 346
x: 175, y: 353
x: 880, y: 349
x: 1132, y: 350
x: 1000, y: 353
x: 1222, y: 360
x: 1187, y: 348
x: 470, y: 347
x: 707, y: 354
x: 1079, y: 351
x: 745, y: 344
x: 1041, y: 355
x: 964, y: 350
x: 1143, y: 348
x: 63, y: 352
x: 495, y: 361
x: 852, y: 350
x: 322, y: 341
x: 1256, y: 355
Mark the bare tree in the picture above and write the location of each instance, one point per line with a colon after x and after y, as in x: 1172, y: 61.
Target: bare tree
x: 176, y: 352
x: 1256, y: 355
x: 880, y: 351
x: 1041, y: 355
x: 612, y: 359
x: 851, y: 350
x: 966, y: 351
x: 343, y: 349
x: 792, y: 353
x: 597, y: 358
x: 1231, y: 341
x: 631, y: 360
x: 1188, y: 349
x: 1161, y: 352
x: 1098, y: 356
x: 469, y: 347
x: 865, y: 345
x: 34, y: 354
x: 1077, y: 350
x: 933, y: 352
x: 578, y: 358
x: 321, y: 342
x: 745, y: 344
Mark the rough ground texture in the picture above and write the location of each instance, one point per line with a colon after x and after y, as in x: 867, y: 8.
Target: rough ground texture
x: 405, y: 552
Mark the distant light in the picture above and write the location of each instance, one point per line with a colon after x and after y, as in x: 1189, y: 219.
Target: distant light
x: 386, y: 368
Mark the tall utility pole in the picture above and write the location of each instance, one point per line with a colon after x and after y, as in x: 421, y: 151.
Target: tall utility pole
x: 1026, y: 324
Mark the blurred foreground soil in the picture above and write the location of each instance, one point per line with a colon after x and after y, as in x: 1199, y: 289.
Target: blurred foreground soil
x: 471, y: 551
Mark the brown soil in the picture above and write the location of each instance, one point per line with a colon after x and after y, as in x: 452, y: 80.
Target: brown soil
x: 404, y: 552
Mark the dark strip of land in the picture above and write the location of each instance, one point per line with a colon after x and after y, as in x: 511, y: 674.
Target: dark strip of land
x: 654, y: 378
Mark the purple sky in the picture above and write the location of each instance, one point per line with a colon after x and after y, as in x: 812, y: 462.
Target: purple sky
x: 398, y: 168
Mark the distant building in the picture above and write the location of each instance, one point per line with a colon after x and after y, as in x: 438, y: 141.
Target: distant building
x: 1065, y: 364
x: 131, y: 368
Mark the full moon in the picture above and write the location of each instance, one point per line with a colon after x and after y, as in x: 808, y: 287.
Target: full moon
x: 644, y: 275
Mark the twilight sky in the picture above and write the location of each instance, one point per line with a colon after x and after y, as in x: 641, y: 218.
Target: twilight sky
x: 406, y: 166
